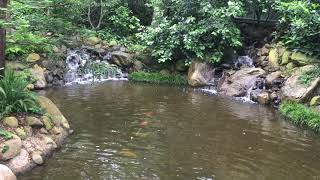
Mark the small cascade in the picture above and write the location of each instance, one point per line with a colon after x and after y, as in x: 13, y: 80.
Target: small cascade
x: 82, y: 69
x: 247, y: 98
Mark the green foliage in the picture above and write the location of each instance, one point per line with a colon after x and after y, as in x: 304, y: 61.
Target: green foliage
x: 5, y: 134
x: 15, y: 98
x: 157, y: 78
x: 301, y: 114
x: 308, y: 76
x: 299, y: 26
x: 99, y: 70
x: 198, y: 28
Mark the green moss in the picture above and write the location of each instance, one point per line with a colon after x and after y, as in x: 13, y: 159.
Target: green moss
x: 5, y: 134
x: 301, y: 115
x: 158, y: 78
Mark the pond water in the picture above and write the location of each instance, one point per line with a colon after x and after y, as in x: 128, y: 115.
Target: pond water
x: 138, y: 131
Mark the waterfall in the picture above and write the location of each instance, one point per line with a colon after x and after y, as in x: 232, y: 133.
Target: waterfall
x: 82, y: 68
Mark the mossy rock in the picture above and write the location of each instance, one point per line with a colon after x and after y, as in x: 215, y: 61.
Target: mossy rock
x: 290, y: 66
x: 92, y: 41
x: 285, y: 58
x: 315, y: 101
x: 10, y: 122
x: 47, y: 122
x: 21, y: 133
x: 274, y: 58
x: 33, y: 57
x: 300, y: 58
x: 15, y: 65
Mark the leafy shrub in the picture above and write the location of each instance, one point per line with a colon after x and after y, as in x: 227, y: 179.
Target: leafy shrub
x: 299, y: 26
x: 158, y: 78
x: 301, y: 114
x: 199, y: 28
x: 14, y: 96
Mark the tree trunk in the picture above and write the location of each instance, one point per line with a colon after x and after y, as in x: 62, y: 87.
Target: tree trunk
x: 3, y: 15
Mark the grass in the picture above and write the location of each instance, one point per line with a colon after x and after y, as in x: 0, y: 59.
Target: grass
x: 14, y: 96
x: 308, y: 76
x: 301, y: 115
x: 158, y: 78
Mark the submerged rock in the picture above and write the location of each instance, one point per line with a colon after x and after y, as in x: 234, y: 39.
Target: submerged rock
x: 294, y: 89
x: 200, y: 74
x: 6, y: 173
x: 240, y: 82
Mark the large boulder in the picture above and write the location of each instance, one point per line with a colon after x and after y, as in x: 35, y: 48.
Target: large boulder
x: 294, y: 89
x: 6, y: 173
x: 300, y: 58
x: 200, y: 73
x: 56, y: 116
x: 240, y: 82
x: 38, y: 74
x: 122, y: 59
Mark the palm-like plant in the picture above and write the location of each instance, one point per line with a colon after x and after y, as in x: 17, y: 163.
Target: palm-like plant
x: 14, y: 97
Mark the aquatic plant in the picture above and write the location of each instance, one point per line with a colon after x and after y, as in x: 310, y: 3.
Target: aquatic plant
x: 301, y: 115
x: 158, y: 78
x: 14, y: 96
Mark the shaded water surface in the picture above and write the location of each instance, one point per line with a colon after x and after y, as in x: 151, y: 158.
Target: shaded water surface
x: 136, y: 131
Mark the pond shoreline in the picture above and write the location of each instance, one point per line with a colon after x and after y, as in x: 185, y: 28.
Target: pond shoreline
x: 30, y: 139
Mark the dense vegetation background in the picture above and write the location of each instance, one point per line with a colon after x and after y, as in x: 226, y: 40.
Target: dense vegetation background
x: 170, y: 29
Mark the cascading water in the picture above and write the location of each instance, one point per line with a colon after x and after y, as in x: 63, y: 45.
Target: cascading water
x: 82, y: 69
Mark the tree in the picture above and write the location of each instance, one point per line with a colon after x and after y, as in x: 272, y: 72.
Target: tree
x: 3, y: 16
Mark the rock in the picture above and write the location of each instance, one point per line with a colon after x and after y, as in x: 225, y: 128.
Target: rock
x: 200, y: 73
x: 240, y: 82
x: 34, y: 122
x: 30, y: 87
x: 20, y: 163
x: 165, y: 72
x: 273, y: 76
x: 315, y: 101
x: 36, y: 158
x: 6, y: 173
x: 290, y: 66
x: 11, y: 148
x: 92, y: 41
x: 47, y: 122
x: 28, y: 130
x: 33, y: 57
x: 181, y: 66
x: 43, y: 131
x: 264, y: 98
x: 274, y: 58
x: 56, y: 131
x: 285, y: 57
x: 263, y: 51
x: 137, y: 66
x: 300, y: 58
x: 122, y: 59
x: 38, y: 74
x: 21, y: 133
x: 294, y: 90
x: 56, y: 116
x: 11, y: 122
